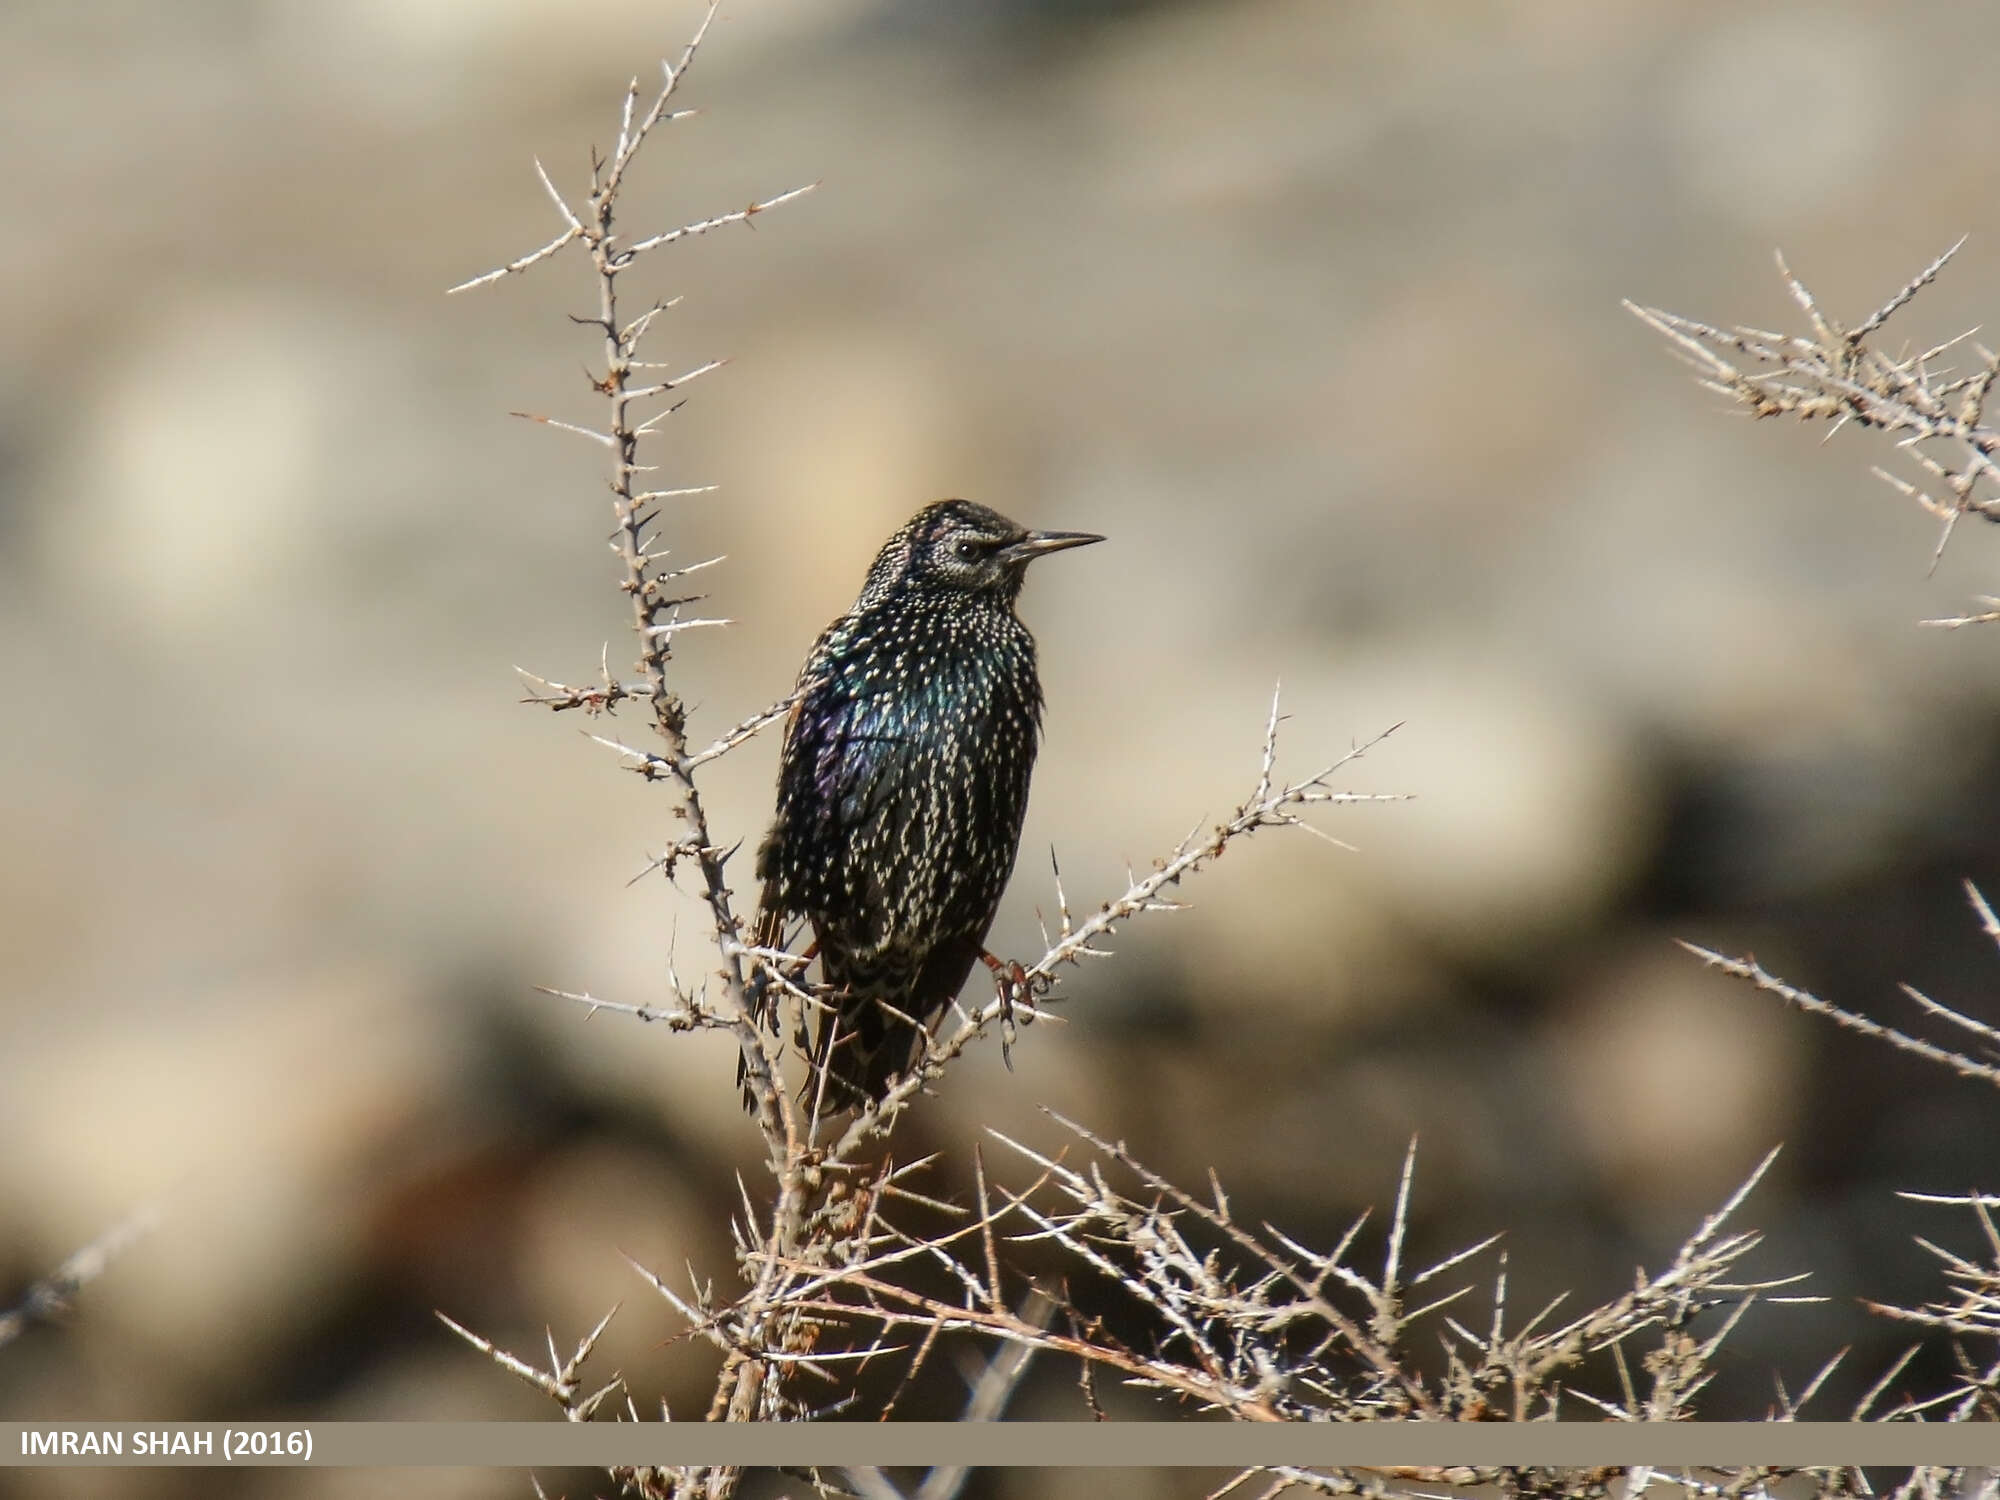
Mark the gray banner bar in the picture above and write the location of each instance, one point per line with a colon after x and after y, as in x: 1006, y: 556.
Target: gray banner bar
x: 1005, y: 1444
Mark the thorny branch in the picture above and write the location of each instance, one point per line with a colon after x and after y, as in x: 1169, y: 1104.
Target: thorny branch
x: 1258, y: 1327
x: 658, y: 599
x: 562, y: 1381
x: 838, y: 1274
x: 1935, y: 411
x: 51, y: 1298
x: 652, y: 586
x: 1985, y: 1067
x: 827, y: 1214
x: 1968, y: 1312
x: 1271, y: 804
x: 990, y: 1394
x: 828, y: 1206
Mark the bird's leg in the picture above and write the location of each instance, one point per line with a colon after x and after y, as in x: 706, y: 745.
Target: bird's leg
x: 1010, y: 980
x: 1010, y: 985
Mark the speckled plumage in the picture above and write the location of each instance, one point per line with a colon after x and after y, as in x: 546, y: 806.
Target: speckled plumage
x: 903, y: 782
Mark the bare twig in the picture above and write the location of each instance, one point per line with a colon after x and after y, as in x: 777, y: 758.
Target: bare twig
x: 1960, y: 1063
x: 1270, y: 805
x: 1935, y: 411
x: 51, y: 1298
x: 1253, y: 1324
x: 561, y: 1382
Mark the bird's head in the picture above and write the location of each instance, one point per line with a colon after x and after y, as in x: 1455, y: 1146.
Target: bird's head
x: 957, y: 545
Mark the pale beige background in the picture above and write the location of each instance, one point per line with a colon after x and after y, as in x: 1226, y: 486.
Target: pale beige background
x: 1312, y: 307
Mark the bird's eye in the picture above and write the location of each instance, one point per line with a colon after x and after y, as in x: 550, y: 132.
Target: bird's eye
x: 965, y: 551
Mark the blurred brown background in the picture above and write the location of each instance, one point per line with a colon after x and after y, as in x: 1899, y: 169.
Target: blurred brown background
x: 1312, y: 307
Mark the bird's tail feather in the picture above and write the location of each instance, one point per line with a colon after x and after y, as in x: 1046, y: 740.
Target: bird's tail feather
x: 860, y: 1050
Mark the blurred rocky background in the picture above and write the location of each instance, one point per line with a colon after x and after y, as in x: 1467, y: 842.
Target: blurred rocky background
x: 1313, y: 308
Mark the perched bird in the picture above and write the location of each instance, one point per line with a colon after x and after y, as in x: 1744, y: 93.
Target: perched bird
x: 902, y: 785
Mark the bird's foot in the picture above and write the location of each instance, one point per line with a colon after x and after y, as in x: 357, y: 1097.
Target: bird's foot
x: 1016, y: 995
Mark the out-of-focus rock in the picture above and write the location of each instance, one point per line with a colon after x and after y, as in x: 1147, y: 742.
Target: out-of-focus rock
x: 258, y: 1123
x: 591, y: 1214
x: 1676, y: 1080
x: 1774, y: 170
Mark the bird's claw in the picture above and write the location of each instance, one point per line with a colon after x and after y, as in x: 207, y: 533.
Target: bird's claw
x: 1015, y: 993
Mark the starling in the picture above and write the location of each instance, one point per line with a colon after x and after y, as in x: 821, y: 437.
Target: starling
x: 902, y: 786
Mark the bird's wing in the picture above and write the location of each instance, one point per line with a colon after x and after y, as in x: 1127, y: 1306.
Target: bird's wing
x: 770, y: 926
x: 849, y: 758
x: 842, y: 749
